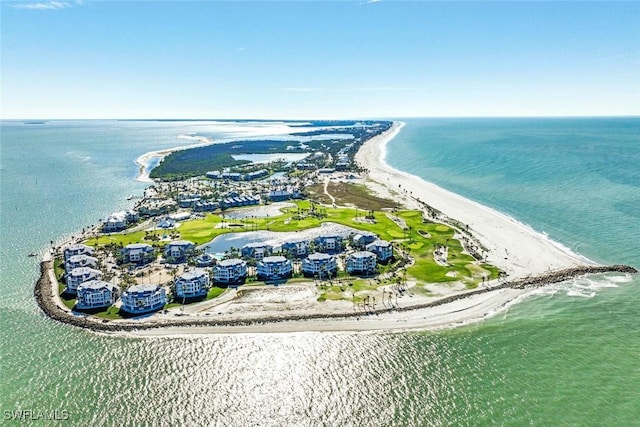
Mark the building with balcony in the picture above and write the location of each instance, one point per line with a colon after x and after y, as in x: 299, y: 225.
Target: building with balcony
x: 230, y: 272
x: 141, y: 299
x: 192, y: 284
x: 320, y: 265
x: 274, y: 268
x: 96, y: 294
x: 361, y: 263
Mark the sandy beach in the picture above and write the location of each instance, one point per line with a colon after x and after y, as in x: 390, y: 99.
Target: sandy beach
x: 144, y: 161
x: 461, y: 312
x: 513, y: 246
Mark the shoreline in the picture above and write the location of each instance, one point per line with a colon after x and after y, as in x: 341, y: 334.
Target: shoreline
x: 446, y: 312
x: 533, y: 261
x: 511, y: 245
x: 144, y: 160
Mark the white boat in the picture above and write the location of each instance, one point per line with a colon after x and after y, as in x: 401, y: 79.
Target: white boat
x: 130, y: 196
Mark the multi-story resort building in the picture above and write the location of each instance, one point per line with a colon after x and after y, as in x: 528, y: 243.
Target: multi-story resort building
x: 96, y: 294
x: 329, y: 243
x: 274, y: 268
x: 78, y: 249
x: 188, y: 200
x: 230, y: 272
x: 361, y: 240
x: 363, y: 262
x: 166, y: 223
x: 256, y: 174
x: 205, y: 260
x: 233, y: 176
x: 237, y: 201
x: 382, y: 249
x: 140, y: 299
x: 118, y: 221
x: 79, y: 275
x: 76, y: 261
x: 257, y: 250
x: 138, y: 253
x: 205, y: 206
x: 192, y: 284
x: 297, y: 248
x: 320, y: 265
x: 280, y: 195
x: 157, y: 207
x: 178, y: 251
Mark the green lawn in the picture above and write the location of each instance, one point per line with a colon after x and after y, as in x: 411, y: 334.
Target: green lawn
x: 110, y: 313
x: 420, y: 248
x: 70, y: 303
x: 215, y: 292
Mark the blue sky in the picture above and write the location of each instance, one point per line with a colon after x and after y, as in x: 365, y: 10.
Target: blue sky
x: 119, y: 59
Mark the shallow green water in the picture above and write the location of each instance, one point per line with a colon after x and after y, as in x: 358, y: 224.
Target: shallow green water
x: 567, y: 355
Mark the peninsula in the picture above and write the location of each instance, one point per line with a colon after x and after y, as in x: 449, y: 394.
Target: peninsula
x: 333, y: 238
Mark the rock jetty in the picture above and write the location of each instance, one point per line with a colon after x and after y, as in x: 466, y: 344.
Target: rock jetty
x: 45, y: 297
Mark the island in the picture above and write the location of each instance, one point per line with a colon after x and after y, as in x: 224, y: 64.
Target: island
x: 308, y: 232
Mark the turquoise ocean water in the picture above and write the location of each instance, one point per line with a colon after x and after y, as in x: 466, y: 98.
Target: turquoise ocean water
x: 567, y: 355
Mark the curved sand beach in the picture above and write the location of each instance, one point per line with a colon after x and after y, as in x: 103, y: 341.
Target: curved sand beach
x: 144, y: 160
x: 513, y: 246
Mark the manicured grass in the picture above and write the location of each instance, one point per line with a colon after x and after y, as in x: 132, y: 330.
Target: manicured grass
x: 70, y: 303
x: 215, y: 292
x: 348, y: 290
x: 58, y: 268
x: 110, y: 313
x: 420, y: 248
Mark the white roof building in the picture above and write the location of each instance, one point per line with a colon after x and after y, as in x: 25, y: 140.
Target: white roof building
x: 76, y: 261
x: 320, y: 264
x: 382, y: 249
x: 140, y: 299
x: 178, y: 250
x: 79, y: 275
x: 78, y: 249
x: 230, y: 272
x: 192, y: 284
x: 363, y: 262
x: 138, y: 253
x: 274, y: 268
x: 96, y: 294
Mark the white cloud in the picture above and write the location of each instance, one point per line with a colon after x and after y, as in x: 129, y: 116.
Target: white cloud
x: 48, y: 5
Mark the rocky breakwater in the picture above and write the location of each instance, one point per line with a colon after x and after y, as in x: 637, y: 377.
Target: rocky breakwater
x: 47, y: 301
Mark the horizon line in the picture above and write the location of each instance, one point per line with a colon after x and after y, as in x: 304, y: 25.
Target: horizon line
x: 248, y: 118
